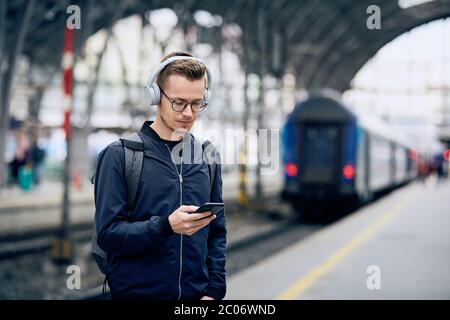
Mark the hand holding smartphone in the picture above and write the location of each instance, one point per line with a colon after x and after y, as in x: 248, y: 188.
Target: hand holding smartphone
x: 213, y: 207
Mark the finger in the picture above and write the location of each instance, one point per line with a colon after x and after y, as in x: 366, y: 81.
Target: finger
x: 212, y: 218
x: 198, y: 216
x: 202, y: 222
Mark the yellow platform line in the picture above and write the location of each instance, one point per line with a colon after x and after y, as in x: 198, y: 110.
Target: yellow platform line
x: 304, y: 282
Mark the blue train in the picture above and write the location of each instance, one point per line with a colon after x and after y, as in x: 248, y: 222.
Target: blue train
x: 333, y: 157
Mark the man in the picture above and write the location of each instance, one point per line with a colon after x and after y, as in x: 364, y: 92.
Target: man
x: 166, y: 251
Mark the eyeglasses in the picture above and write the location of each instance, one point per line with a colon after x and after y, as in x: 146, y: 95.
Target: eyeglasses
x: 179, y: 105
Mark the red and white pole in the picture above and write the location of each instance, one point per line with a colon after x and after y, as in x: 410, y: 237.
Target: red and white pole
x: 62, y: 249
x: 67, y: 69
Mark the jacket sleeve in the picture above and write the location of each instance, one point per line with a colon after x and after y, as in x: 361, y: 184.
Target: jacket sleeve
x: 215, y: 260
x: 116, y: 235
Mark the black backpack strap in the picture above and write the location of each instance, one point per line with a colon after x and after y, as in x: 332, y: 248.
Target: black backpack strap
x: 210, y: 156
x: 134, y: 160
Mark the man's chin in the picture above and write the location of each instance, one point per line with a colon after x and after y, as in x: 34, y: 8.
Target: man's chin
x: 183, y: 125
x: 180, y: 129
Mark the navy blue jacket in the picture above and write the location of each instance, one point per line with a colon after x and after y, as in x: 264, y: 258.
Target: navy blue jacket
x: 147, y: 259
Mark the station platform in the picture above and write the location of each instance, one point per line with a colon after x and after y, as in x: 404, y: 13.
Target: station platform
x: 50, y: 194
x: 395, y: 248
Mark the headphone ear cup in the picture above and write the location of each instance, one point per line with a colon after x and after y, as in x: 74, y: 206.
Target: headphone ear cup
x: 153, y: 94
x: 147, y: 95
x: 156, y: 94
x: 206, y: 95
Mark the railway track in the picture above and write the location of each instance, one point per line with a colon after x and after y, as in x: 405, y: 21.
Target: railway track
x: 16, y: 244
x: 38, y: 241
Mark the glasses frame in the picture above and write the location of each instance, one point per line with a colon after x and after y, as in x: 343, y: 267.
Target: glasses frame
x: 203, y: 106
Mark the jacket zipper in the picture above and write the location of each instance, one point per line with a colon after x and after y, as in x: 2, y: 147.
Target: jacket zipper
x: 180, y: 177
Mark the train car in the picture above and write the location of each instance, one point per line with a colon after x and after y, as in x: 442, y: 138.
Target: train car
x: 334, y: 157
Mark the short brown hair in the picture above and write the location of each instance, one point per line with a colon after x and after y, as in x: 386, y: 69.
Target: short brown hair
x: 191, y: 69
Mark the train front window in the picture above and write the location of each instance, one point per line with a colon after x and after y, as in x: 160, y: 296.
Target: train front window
x: 321, y: 146
x: 319, y: 156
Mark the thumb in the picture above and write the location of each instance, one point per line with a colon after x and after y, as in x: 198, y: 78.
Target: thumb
x: 188, y: 208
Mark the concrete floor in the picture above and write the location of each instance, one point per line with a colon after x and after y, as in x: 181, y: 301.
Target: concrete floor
x: 395, y: 248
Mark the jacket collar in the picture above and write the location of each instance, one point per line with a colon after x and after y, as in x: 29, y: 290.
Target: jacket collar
x: 147, y: 131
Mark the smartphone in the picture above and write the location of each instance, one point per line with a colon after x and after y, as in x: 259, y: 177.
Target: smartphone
x: 214, y: 207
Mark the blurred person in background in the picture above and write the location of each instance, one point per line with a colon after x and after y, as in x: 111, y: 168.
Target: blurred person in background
x: 439, y: 164
x: 37, y: 157
x: 21, y: 158
x: 423, y: 170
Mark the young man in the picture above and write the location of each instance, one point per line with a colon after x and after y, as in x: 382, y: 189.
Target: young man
x: 165, y: 251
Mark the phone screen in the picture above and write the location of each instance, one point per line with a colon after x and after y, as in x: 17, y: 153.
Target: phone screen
x: 213, y: 207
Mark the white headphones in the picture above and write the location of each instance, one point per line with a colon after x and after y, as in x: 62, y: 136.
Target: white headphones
x: 152, y: 91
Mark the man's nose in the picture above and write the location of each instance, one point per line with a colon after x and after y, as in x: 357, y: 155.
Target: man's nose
x: 188, y: 111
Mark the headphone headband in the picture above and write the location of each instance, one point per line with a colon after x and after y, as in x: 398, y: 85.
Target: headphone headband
x: 153, y: 90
